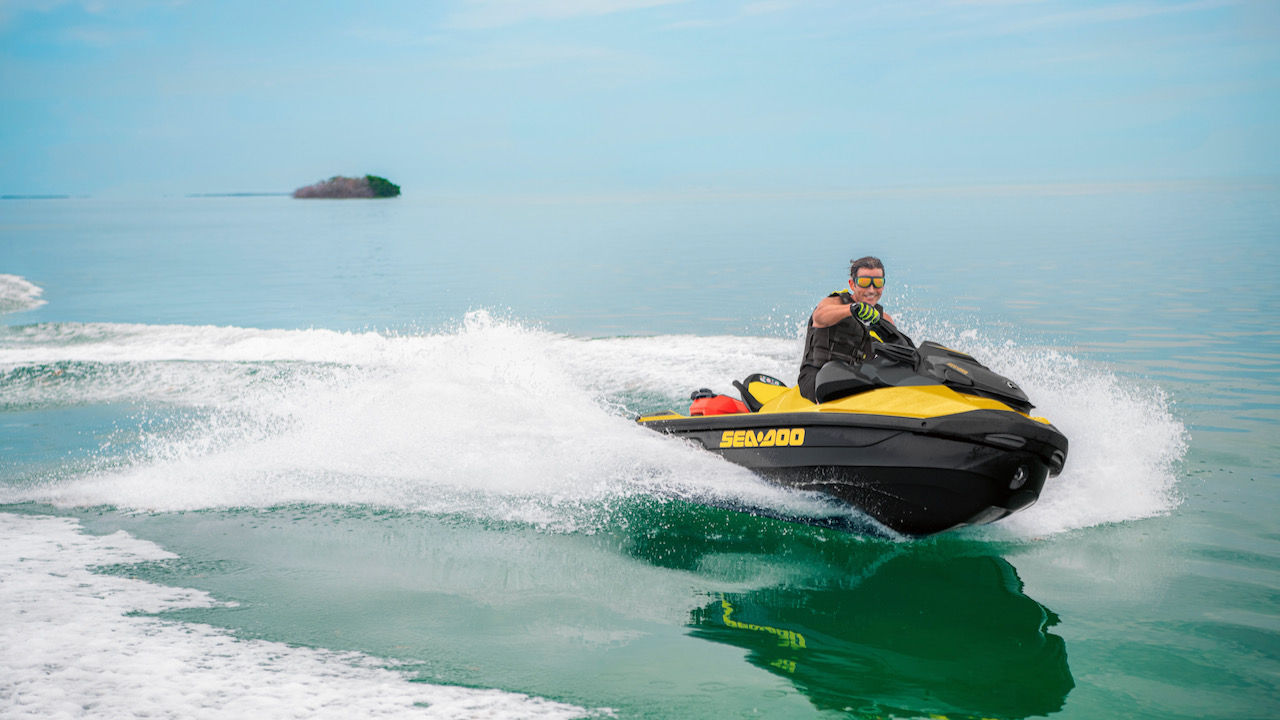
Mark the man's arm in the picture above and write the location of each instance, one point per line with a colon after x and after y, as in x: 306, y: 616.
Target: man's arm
x: 831, y: 311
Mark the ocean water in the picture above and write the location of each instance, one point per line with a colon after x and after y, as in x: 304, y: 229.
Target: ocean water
x: 276, y: 458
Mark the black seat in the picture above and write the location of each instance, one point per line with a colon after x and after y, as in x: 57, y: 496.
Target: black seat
x: 839, y: 379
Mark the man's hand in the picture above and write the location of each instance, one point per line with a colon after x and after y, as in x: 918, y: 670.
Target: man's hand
x: 868, y: 314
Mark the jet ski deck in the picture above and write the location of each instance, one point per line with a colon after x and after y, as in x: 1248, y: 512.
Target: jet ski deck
x: 921, y: 440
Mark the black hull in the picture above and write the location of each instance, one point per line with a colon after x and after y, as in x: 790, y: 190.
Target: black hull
x: 915, y: 476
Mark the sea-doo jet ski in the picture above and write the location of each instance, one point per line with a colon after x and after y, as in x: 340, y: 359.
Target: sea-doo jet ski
x: 922, y: 439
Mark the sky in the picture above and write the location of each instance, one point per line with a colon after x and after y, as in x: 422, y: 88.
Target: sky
x: 578, y: 97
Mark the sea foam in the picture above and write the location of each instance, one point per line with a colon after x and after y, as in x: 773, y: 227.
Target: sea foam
x: 495, y: 419
x: 17, y: 293
x: 81, y: 644
x: 1125, y: 442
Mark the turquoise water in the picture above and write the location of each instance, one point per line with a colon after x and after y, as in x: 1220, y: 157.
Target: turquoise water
x: 377, y: 459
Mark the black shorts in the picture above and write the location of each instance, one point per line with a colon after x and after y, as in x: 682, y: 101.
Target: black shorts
x: 807, y: 382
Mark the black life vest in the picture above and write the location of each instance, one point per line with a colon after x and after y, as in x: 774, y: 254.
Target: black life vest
x: 848, y: 340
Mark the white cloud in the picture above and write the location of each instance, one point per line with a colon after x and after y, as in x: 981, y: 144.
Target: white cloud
x: 498, y: 13
x: 394, y: 36
x: 1120, y: 12
x: 98, y: 37
x: 762, y: 7
x: 522, y: 56
x: 10, y: 9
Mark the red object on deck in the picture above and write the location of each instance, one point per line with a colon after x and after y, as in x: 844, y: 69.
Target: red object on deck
x: 717, y: 405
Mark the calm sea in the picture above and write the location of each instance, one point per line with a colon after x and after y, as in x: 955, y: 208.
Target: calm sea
x: 262, y: 457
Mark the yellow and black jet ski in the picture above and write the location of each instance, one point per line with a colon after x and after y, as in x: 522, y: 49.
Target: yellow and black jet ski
x: 922, y: 439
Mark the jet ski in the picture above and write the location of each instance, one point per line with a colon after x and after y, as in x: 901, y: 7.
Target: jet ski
x: 922, y: 439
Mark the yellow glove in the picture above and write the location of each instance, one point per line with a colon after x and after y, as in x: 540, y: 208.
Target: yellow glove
x: 868, y: 314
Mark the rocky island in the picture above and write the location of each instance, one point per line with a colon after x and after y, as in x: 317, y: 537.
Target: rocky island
x: 369, y: 186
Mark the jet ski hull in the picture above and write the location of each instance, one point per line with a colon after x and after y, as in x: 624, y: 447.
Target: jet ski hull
x: 916, y: 476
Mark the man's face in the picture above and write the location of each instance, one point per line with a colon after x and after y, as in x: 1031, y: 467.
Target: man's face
x: 870, y: 294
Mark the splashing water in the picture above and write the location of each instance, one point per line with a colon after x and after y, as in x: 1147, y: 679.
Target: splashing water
x: 18, y: 293
x: 1125, y: 443
x: 496, y: 420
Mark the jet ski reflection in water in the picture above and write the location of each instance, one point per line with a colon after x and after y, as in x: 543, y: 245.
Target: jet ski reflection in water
x: 923, y: 439
x: 915, y: 636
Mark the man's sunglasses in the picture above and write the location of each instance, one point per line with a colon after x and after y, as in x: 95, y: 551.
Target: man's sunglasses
x: 866, y: 282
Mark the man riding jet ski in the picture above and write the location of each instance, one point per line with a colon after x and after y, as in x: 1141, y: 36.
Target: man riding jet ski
x: 922, y: 439
x: 838, y: 326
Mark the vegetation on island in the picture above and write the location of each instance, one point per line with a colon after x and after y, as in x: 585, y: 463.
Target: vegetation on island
x: 369, y: 186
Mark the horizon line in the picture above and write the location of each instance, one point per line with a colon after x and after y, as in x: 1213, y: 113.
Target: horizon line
x: 709, y: 193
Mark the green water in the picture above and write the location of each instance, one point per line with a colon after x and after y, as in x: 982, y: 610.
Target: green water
x: 826, y: 620
x: 404, y: 430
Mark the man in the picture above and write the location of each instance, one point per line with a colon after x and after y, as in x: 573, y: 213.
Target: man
x: 840, y: 327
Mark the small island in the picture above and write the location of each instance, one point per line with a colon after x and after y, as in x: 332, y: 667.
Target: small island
x: 369, y: 186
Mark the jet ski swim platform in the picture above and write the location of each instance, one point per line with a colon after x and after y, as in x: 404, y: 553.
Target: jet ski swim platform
x: 921, y: 439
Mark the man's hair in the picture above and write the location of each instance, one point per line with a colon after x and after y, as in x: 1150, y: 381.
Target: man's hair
x: 866, y: 262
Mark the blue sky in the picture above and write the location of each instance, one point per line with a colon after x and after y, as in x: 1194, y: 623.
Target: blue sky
x: 633, y: 96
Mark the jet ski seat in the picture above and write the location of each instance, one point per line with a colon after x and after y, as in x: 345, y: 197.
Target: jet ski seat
x: 759, y: 389
x: 838, y: 379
